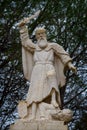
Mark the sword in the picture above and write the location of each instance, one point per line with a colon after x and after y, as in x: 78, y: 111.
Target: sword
x: 26, y: 20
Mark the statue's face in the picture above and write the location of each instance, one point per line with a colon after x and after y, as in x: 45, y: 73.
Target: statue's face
x: 41, y: 39
x: 41, y: 35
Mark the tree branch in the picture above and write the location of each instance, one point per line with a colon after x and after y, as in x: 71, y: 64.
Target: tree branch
x: 74, y: 97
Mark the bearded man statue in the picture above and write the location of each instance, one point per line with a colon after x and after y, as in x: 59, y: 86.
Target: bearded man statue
x: 44, y: 64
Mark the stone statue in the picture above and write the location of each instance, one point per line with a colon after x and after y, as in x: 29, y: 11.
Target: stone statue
x: 44, y: 64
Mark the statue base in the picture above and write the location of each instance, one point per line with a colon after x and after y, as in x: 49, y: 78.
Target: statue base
x: 39, y: 125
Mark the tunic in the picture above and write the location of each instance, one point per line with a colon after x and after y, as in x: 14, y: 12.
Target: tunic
x: 43, y: 77
x: 47, y: 71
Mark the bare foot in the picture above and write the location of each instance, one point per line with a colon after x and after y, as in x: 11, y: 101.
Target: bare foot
x: 43, y: 118
x: 28, y: 119
x: 31, y: 118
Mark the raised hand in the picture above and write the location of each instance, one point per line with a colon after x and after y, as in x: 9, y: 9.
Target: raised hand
x: 26, y: 20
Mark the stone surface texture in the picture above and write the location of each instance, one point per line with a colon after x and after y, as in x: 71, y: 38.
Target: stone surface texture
x: 39, y: 125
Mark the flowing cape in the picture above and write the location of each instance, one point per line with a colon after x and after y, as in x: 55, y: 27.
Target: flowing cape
x: 59, y: 67
x: 27, y: 61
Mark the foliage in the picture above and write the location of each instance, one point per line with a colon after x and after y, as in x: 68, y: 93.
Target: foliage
x: 66, y: 24
x: 82, y: 123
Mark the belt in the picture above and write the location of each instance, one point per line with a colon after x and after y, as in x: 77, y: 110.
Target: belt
x: 39, y: 62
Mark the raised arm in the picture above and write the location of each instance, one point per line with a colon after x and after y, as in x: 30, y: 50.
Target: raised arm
x: 26, y: 42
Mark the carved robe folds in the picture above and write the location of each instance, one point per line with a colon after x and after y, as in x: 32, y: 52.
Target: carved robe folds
x: 43, y: 67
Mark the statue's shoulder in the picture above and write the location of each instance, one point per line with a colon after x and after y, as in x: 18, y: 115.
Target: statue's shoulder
x: 53, y: 44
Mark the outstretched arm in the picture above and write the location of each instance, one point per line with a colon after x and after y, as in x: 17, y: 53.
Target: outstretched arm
x: 64, y: 57
x: 26, y: 42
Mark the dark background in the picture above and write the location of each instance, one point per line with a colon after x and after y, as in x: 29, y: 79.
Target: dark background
x: 66, y: 24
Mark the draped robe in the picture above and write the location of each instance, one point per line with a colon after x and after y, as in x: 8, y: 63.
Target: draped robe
x: 44, y: 68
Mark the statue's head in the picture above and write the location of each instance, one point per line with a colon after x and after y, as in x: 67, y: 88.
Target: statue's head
x: 40, y: 33
x: 41, y: 37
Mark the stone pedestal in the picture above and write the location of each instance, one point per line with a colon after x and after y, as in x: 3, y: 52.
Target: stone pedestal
x: 39, y: 125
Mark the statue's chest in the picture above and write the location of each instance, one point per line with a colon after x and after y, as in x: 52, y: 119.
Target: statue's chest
x: 43, y: 55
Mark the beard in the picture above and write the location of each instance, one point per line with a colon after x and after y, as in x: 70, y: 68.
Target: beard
x: 42, y: 43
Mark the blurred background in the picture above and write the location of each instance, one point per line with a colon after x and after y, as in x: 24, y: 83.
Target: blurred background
x: 66, y: 24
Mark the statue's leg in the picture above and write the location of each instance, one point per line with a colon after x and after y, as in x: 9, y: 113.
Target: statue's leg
x: 53, y: 98
x: 34, y: 109
x: 42, y: 111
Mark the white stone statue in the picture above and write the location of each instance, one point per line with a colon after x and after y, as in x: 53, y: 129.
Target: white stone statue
x: 44, y: 64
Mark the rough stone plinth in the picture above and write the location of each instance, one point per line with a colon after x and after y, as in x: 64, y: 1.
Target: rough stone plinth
x: 39, y: 125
